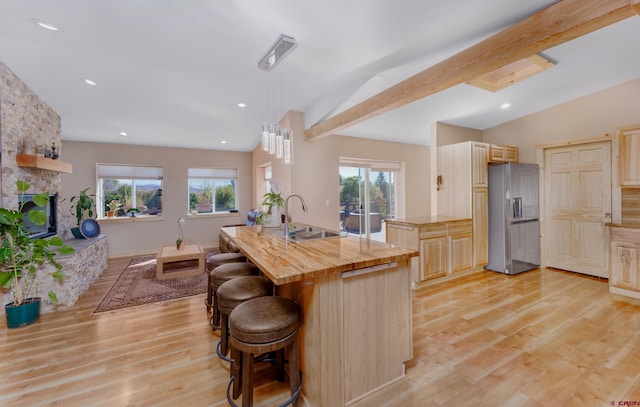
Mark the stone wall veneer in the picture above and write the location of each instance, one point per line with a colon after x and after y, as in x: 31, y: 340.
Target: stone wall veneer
x: 24, y: 114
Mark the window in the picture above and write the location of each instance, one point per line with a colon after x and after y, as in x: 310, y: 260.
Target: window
x: 368, y: 187
x: 129, y: 190
x: 212, y: 190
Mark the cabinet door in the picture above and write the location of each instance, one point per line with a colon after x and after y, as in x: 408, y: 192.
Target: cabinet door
x: 377, y: 337
x: 501, y: 154
x: 461, y: 249
x: 479, y: 160
x: 629, y: 149
x: 480, y: 227
x: 511, y: 154
x: 433, y: 258
x: 624, y: 265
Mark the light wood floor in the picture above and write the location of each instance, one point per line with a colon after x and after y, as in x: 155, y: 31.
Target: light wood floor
x: 541, y: 338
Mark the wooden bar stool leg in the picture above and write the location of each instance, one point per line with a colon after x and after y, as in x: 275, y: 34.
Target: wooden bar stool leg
x: 224, y: 333
x: 215, y: 317
x: 279, y: 356
x: 236, y: 355
x: 209, y: 299
x: 247, y: 379
x: 294, y: 370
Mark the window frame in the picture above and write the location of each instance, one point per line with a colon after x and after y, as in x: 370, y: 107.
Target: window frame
x: 128, y: 172
x: 213, y: 175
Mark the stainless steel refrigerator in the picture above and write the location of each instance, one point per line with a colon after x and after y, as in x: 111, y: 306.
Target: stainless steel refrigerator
x: 514, y: 229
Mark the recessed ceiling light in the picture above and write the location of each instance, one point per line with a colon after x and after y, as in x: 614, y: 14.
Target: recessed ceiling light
x: 223, y: 142
x: 46, y: 26
x: 123, y: 133
x: 505, y: 105
x: 241, y: 105
x: 90, y: 82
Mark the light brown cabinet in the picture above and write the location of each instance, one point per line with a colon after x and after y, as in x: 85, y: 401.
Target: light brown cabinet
x: 629, y: 152
x: 444, y: 243
x: 464, y: 191
x: 503, y: 154
x: 624, y: 267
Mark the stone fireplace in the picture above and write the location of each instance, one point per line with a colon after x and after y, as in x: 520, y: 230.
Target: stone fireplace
x: 23, y: 114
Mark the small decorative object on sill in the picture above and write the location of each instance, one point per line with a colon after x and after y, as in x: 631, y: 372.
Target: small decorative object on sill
x: 179, y: 240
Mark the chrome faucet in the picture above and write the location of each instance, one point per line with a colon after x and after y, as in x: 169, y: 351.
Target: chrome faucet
x: 286, y: 213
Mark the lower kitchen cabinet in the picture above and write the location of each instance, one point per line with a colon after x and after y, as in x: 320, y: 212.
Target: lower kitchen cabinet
x: 445, y: 244
x: 433, y: 258
x: 624, y: 265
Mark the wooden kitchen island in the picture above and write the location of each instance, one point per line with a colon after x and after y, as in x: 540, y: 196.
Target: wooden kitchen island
x: 355, y: 297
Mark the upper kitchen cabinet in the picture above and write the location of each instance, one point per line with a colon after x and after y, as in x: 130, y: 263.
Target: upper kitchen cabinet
x: 629, y: 153
x: 503, y: 154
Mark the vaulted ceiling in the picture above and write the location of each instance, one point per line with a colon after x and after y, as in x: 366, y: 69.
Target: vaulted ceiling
x: 172, y: 72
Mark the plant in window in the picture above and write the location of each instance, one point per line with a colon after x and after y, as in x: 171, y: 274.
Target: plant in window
x: 114, y: 205
x: 204, y: 199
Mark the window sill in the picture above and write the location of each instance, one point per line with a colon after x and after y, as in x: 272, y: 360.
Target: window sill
x: 214, y: 215
x: 120, y: 219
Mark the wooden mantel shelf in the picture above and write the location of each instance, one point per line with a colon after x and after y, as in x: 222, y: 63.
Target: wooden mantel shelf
x: 35, y: 161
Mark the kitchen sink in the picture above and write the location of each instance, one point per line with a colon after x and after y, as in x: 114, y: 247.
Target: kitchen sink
x: 311, y: 233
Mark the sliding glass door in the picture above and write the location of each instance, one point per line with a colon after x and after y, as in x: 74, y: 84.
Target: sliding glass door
x: 367, y: 197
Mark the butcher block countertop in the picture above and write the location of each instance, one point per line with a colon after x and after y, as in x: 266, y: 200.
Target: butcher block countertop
x: 285, y: 262
x: 425, y: 220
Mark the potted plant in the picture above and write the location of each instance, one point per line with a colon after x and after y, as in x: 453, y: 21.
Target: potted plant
x: 204, y: 199
x: 131, y: 212
x: 82, y: 205
x: 270, y: 215
x: 114, y: 205
x: 21, y: 258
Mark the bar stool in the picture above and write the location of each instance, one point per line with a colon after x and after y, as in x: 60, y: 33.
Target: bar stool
x: 233, y: 293
x: 215, y: 261
x: 221, y: 275
x: 262, y: 325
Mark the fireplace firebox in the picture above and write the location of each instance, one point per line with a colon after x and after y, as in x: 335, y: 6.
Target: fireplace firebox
x: 50, y: 228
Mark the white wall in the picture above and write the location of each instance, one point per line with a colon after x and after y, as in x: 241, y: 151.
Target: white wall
x: 590, y: 116
x: 126, y: 237
x: 315, y: 172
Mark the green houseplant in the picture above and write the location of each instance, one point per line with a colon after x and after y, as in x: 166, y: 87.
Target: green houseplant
x: 270, y: 214
x: 82, y: 205
x: 21, y: 258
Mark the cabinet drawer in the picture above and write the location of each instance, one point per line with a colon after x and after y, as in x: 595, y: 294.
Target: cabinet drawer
x: 433, y: 230
x: 461, y: 227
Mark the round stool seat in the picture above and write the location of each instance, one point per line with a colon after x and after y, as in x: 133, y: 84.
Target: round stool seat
x: 264, y: 319
x: 263, y: 325
x: 223, y: 258
x: 229, y: 271
x: 238, y: 290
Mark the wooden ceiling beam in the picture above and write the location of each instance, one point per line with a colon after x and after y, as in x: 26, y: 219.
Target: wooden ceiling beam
x: 557, y: 24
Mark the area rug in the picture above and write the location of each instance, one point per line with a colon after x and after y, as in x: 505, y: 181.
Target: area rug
x: 137, y: 285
